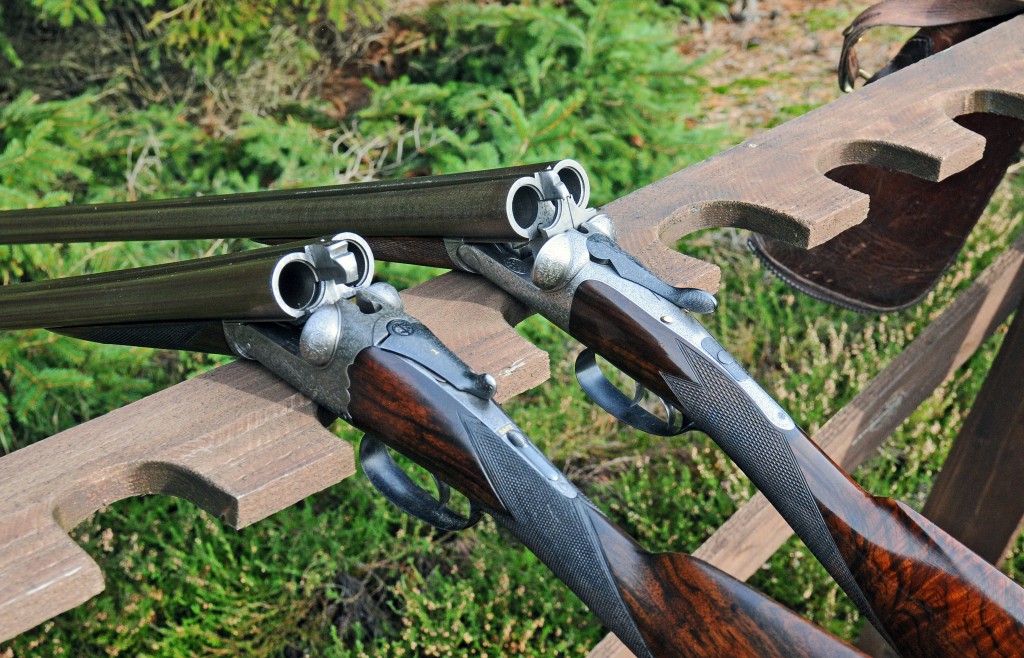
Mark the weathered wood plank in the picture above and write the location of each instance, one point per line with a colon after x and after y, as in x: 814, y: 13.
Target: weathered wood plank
x: 976, y: 497
x: 774, y: 183
x: 237, y: 442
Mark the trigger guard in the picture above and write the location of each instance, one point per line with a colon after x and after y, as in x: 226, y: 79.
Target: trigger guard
x: 395, y: 485
x: 607, y: 396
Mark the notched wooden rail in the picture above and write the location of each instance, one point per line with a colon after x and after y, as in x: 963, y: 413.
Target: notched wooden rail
x: 236, y: 442
x: 775, y: 183
x: 242, y: 445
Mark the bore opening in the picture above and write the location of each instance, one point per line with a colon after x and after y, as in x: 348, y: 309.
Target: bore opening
x: 297, y: 285
x: 574, y: 183
x: 525, y: 206
x: 364, y: 260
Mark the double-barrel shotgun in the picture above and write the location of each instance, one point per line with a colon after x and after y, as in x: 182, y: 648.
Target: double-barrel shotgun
x: 310, y: 314
x: 926, y: 593
x: 538, y: 239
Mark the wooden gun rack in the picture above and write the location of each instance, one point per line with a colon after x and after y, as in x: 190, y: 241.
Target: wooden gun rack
x: 242, y: 445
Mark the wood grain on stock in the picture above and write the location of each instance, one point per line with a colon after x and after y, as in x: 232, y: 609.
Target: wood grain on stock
x: 983, y: 619
x: 237, y: 442
x: 419, y: 421
x: 935, y: 596
x: 686, y: 607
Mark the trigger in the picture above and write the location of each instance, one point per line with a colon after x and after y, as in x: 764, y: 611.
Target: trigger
x: 391, y: 481
x: 607, y: 396
x: 444, y: 492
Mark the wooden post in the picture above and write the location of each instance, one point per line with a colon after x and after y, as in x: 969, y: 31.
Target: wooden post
x: 977, y: 495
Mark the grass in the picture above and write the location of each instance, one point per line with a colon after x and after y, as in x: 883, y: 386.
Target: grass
x: 343, y: 573
x: 832, y: 19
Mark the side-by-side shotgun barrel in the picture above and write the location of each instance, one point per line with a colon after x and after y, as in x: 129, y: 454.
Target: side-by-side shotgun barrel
x: 496, y: 205
x: 271, y: 283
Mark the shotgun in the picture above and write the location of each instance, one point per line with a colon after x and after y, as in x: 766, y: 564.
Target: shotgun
x: 926, y: 593
x: 308, y: 313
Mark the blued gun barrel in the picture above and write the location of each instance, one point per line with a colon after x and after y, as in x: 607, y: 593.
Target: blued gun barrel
x: 489, y: 206
x: 273, y: 283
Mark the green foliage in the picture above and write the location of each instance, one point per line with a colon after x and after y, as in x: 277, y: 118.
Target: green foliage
x: 702, y: 9
x: 68, y: 12
x: 527, y: 611
x: 291, y: 153
x: 7, y: 51
x: 211, y: 35
x: 43, y: 145
x: 827, y: 18
x: 216, y: 35
x: 598, y: 81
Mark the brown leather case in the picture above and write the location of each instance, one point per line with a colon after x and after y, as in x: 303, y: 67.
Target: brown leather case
x: 914, y: 228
